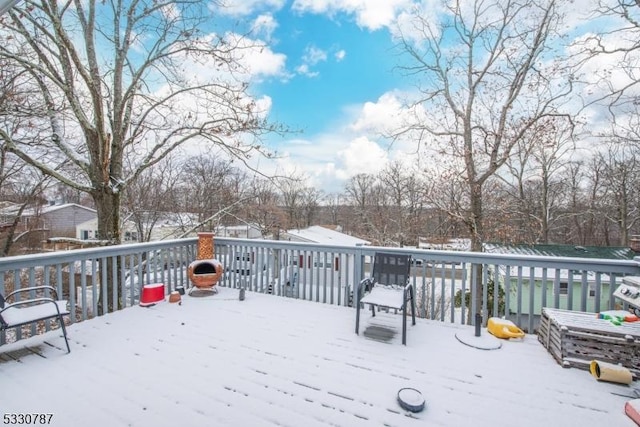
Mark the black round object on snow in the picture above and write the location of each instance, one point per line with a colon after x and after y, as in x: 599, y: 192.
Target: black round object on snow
x: 411, y: 399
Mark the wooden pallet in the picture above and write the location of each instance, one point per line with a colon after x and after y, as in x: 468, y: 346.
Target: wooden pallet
x: 575, y: 338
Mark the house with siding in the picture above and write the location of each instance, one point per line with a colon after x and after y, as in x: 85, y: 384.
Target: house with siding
x: 242, y: 231
x: 165, y: 226
x: 325, y: 261
x: 59, y: 220
x: 322, y: 235
x: 545, y: 287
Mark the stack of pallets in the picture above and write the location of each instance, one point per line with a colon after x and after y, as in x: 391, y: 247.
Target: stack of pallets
x: 576, y: 338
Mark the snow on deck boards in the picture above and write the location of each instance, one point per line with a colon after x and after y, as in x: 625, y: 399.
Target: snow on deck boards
x: 270, y: 361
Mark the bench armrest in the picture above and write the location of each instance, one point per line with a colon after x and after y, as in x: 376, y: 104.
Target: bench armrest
x: 33, y: 288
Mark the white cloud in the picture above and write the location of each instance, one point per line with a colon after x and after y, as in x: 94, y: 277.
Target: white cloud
x: 328, y: 161
x: 257, y: 58
x: 265, y: 62
x: 340, y: 55
x: 264, y: 25
x: 353, y: 146
x: 369, y: 14
x: 381, y: 116
x: 247, y: 7
x: 409, y: 23
x: 306, y: 71
x: 362, y: 155
x: 313, y: 55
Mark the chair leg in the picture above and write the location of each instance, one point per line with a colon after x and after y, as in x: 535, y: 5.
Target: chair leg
x: 404, y: 324
x: 413, y: 307
x: 64, y: 332
x: 357, y: 317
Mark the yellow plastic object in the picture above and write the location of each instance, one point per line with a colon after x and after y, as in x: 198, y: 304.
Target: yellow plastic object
x: 503, y: 328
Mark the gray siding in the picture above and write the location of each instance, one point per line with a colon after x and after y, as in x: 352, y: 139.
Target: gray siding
x: 62, y: 222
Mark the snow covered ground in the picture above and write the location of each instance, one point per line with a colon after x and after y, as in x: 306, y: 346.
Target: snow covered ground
x: 271, y: 361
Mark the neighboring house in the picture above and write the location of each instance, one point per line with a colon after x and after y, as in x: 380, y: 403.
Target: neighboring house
x: 8, y: 212
x: 88, y: 230
x: 445, y: 245
x: 299, y: 272
x: 172, y: 225
x: 169, y: 226
x: 570, y: 288
x: 60, y: 220
x: 158, y: 226
x: 323, y: 236
x: 244, y: 231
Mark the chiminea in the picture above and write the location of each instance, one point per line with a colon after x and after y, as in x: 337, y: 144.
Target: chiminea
x: 205, y: 271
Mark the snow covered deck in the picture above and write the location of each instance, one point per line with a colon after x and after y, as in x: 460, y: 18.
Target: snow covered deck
x: 269, y: 361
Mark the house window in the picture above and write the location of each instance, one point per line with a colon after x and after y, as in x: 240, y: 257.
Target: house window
x: 322, y: 263
x: 564, y: 288
x: 245, y: 256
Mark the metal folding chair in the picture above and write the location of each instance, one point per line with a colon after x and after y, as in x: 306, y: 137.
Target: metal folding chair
x: 389, y: 286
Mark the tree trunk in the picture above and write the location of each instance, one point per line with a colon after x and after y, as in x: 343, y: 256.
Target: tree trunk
x: 108, y: 206
x: 11, y: 232
x: 476, y: 229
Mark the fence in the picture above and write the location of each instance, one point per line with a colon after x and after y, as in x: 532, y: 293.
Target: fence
x: 99, y: 280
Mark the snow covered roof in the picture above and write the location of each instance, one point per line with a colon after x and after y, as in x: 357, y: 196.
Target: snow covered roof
x: 270, y: 361
x: 575, y: 251
x: 325, y: 236
x: 51, y: 208
x: 448, y: 244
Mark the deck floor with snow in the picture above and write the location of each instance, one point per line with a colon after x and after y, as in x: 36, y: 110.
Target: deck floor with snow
x: 270, y: 361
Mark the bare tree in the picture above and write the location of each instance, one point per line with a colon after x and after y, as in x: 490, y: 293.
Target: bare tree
x: 406, y: 193
x: 209, y: 183
x: 535, y: 186
x: 615, y: 44
x: 311, y: 198
x: 358, y: 193
x: 488, y: 86
x: 485, y: 79
x: 20, y: 184
x: 334, y: 206
x: 151, y: 197
x: 25, y: 188
x: 118, y: 80
x: 621, y: 182
x: 264, y: 207
x: 292, y: 192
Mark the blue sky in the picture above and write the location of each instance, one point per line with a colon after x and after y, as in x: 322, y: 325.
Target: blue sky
x: 329, y: 70
x: 347, y: 66
x: 325, y: 63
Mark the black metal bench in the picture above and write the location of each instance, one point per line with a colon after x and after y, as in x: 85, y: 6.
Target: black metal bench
x: 26, y: 311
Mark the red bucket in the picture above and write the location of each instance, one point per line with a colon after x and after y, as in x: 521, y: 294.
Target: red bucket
x: 152, y: 294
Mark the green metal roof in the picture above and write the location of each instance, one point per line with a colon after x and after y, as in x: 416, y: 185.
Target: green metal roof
x: 577, y: 251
